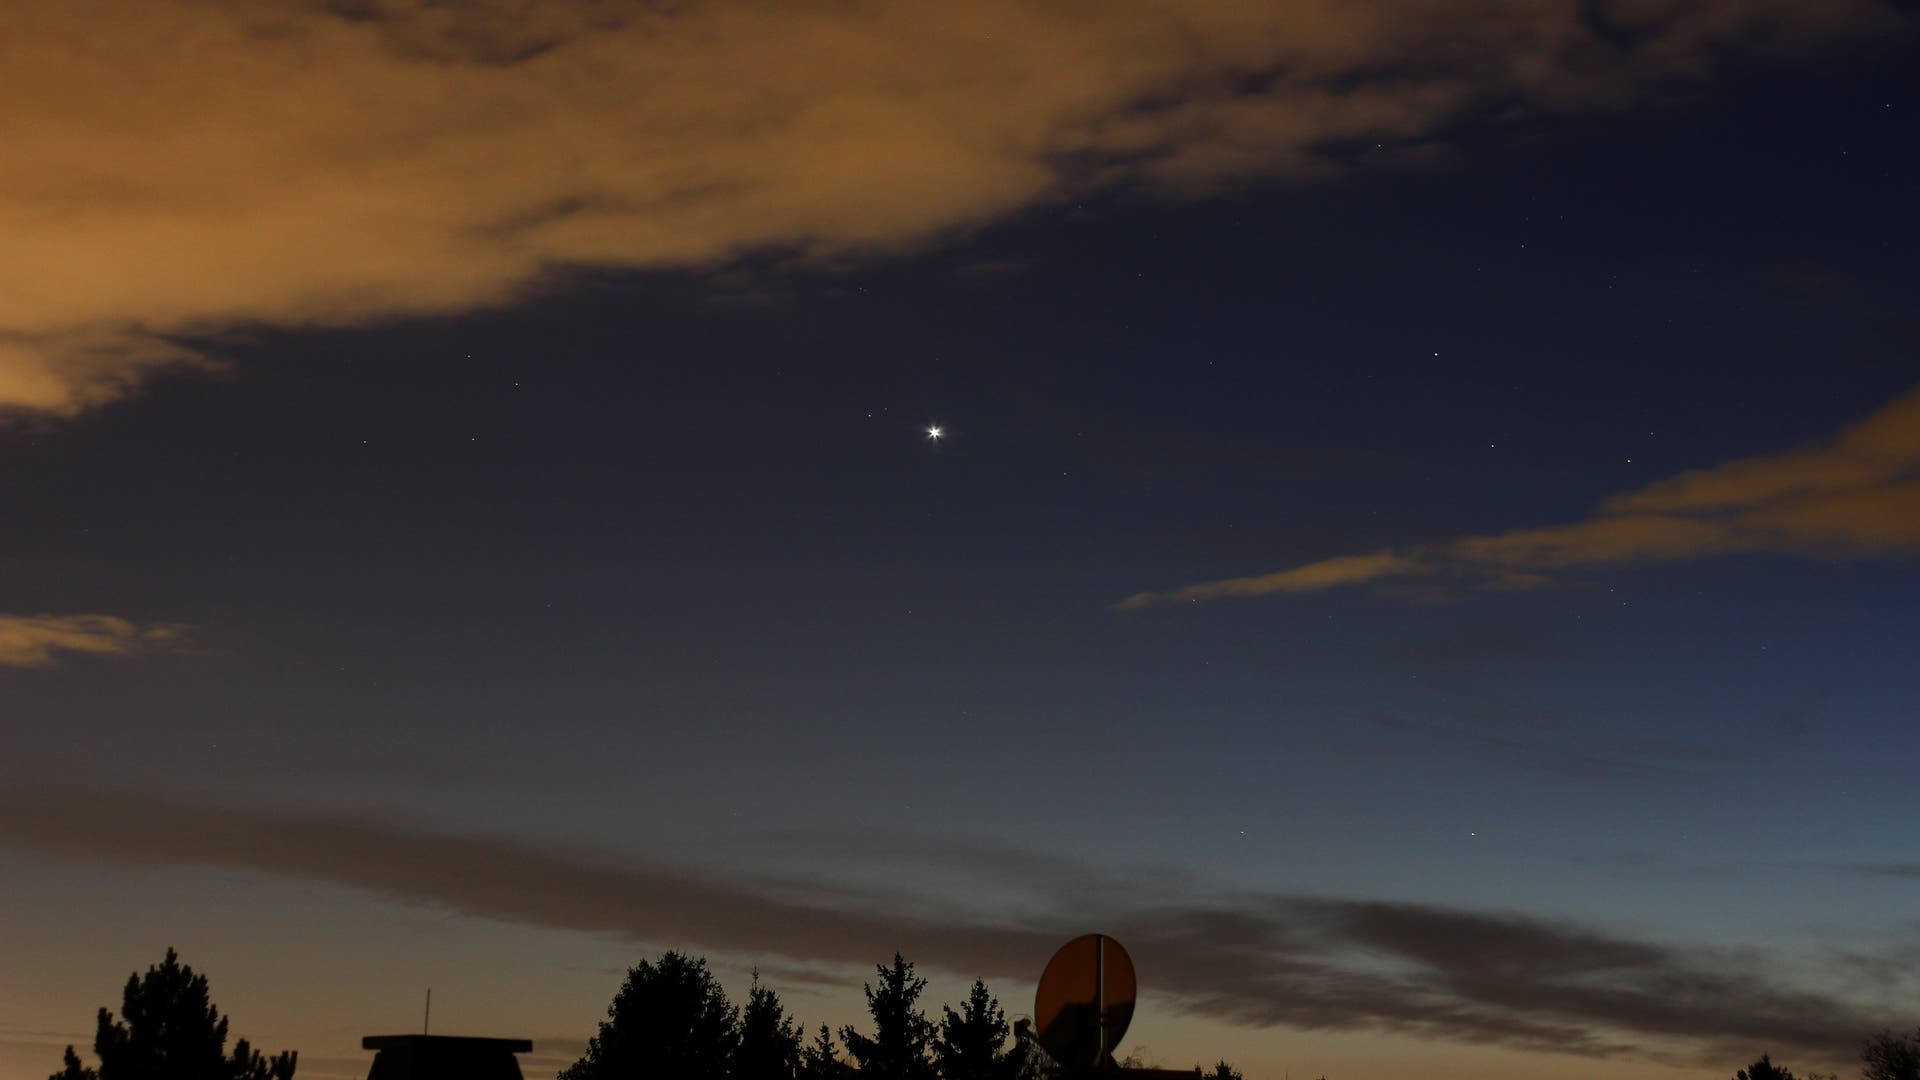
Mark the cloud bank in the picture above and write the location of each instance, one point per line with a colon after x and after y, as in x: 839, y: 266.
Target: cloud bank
x: 1253, y: 959
x: 182, y: 169
x: 33, y: 641
x: 1855, y: 495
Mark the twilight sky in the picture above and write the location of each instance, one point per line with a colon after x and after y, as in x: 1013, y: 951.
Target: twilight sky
x: 1422, y: 547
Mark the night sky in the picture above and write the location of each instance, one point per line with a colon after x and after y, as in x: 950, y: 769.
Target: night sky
x: 1421, y: 542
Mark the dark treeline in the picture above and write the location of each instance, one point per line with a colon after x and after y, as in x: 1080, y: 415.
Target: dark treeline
x: 1886, y: 1056
x: 671, y: 1020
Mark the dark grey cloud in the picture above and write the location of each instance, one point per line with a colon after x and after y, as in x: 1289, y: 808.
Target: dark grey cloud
x: 493, y: 878
x: 1260, y: 960
x: 1886, y: 869
x: 1481, y: 647
x: 1552, y: 985
x: 1603, y: 760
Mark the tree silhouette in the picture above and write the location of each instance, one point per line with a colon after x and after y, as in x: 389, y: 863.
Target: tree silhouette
x: 902, y: 1044
x: 819, y: 1062
x: 1026, y: 1060
x: 71, y: 1069
x: 170, y: 1030
x: 1892, y: 1057
x: 769, y: 1040
x: 1224, y: 1071
x: 969, y: 1044
x: 1764, y: 1069
x: 669, y: 1021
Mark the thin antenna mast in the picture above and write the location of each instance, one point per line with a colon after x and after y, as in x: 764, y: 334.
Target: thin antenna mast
x: 427, y: 1020
x: 1100, y: 994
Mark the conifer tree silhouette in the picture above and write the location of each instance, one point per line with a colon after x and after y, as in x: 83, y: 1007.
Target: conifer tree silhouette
x: 669, y: 1021
x: 901, y: 1047
x: 971, y: 1041
x: 769, y: 1039
x: 169, y: 1029
x: 818, y: 1060
x: 1764, y: 1069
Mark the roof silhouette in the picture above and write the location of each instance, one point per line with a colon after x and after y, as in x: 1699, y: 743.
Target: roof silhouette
x: 444, y: 1057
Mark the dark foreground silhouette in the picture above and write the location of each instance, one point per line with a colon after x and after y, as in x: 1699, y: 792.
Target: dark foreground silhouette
x: 169, y: 1030
x: 431, y: 1057
x: 671, y: 1020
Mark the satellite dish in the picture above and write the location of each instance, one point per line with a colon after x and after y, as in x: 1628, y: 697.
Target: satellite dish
x: 1085, y: 1001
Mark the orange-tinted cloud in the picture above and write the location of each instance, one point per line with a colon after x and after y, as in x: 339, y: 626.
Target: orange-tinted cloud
x: 184, y: 168
x: 1856, y: 495
x: 28, y: 641
x: 1325, y: 574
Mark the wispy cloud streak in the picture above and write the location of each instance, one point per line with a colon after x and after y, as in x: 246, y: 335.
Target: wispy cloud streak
x: 33, y: 641
x: 1261, y: 960
x: 1857, y: 494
